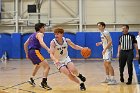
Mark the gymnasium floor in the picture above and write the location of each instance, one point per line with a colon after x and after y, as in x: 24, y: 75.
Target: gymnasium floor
x: 14, y: 75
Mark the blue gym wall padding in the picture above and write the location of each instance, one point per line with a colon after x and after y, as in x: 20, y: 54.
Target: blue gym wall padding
x: 13, y: 43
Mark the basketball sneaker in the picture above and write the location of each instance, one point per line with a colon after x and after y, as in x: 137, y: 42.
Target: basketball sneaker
x: 31, y: 81
x: 45, y: 86
x: 112, y: 82
x: 82, y: 78
x: 105, y: 81
x: 82, y: 87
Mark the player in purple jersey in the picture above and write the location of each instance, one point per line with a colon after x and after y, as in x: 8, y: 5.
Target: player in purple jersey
x: 32, y: 50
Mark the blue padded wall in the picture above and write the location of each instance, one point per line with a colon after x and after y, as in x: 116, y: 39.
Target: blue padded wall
x: 24, y: 37
x: 5, y: 44
x: 13, y: 43
x: 91, y: 39
x: 80, y: 40
x: 47, y: 39
x: 72, y: 36
x: 16, y: 45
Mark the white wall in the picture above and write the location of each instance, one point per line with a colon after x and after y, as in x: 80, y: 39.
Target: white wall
x: 113, y: 12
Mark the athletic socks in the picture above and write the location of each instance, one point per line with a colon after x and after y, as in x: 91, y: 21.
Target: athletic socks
x: 82, y: 78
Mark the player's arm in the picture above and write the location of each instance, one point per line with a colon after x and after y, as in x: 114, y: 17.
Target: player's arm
x: 109, y: 43
x: 136, y: 46
x: 137, y: 51
x: 40, y: 36
x: 77, y: 47
x: 119, y: 49
x: 26, y: 47
x: 52, y: 48
x: 99, y: 43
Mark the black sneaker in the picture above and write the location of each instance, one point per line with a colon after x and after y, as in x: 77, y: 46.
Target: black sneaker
x: 82, y: 87
x: 129, y: 83
x: 31, y: 81
x: 82, y: 78
x: 45, y: 86
x: 122, y: 79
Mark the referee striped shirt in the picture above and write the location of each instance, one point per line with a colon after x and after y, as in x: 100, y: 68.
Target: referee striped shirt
x: 126, y: 41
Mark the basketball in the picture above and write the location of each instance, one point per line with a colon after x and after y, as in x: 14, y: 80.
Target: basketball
x: 86, y: 52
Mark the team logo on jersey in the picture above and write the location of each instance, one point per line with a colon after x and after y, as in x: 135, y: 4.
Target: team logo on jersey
x: 61, y: 48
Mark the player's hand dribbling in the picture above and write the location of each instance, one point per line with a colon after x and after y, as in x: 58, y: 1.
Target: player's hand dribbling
x: 58, y: 64
x: 98, y: 43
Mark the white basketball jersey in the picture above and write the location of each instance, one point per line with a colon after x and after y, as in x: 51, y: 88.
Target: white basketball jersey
x: 138, y: 41
x: 61, y: 52
x: 108, y: 55
x: 104, y: 38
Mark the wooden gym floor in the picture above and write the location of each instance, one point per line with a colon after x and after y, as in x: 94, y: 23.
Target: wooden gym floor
x: 14, y: 75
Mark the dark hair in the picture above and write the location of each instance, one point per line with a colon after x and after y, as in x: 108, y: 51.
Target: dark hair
x: 127, y: 26
x: 38, y: 26
x: 101, y: 23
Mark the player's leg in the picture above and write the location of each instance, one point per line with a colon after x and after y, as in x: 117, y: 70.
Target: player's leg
x: 105, y: 57
x: 65, y: 71
x: 72, y: 77
x: 108, y: 55
x: 46, y: 68
x: 71, y: 67
x: 107, y: 79
x: 111, y: 71
x: 33, y: 56
x: 35, y: 69
x: 74, y: 71
x: 37, y: 59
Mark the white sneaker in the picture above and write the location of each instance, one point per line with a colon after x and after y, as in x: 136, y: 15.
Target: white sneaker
x: 112, y: 82
x: 105, y: 81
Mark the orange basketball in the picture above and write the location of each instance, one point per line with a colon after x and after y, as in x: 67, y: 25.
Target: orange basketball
x: 86, y: 52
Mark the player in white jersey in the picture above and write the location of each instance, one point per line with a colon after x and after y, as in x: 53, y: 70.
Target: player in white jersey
x: 107, y: 53
x: 59, y: 54
x: 138, y: 43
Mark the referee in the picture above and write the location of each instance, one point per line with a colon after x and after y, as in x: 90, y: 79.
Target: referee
x: 127, y: 42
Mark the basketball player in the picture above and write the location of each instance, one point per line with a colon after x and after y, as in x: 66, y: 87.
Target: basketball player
x: 107, y: 53
x: 138, y: 43
x: 59, y: 54
x: 32, y: 49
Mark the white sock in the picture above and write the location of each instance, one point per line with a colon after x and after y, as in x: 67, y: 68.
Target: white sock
x: 107, y: 77
x: 112, y: 77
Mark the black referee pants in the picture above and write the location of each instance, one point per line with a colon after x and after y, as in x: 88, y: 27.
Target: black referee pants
x: 126, y: 56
